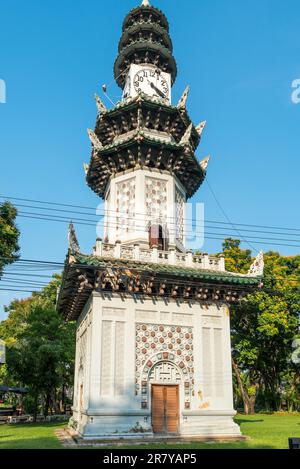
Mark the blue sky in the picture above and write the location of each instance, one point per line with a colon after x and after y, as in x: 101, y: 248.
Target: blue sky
x: 240, y: 59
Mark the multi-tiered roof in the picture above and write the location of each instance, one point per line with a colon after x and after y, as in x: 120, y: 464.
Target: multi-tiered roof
x: 145, y: 39
x: 145, y: 132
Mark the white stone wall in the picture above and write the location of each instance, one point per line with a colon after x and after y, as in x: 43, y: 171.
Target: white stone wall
x: 131, y: 343
x: 138, y: 198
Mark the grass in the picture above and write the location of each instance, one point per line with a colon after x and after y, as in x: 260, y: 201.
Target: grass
x: 30, y: 436
x: 264, y: 432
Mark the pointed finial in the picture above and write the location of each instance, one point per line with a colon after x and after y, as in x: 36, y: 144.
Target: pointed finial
x: 86, y: 167
x: 100, y: 105
x: 187, y: 135
x: 94, y: 139
x: 182, y: 102
x: 257, y: 267
x: 72, y: 238
x: 200, y: 128
x: 204, y: 163
x: 145, y: 3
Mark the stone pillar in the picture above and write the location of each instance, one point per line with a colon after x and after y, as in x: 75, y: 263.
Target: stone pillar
x: 189, y: 259
x: 206, y: 261
x: 154, y: 254
x: 222, y: 262
x: 136, y: 252
x: 172, y: 256
x: 98, y: 248
x: 117, y: 250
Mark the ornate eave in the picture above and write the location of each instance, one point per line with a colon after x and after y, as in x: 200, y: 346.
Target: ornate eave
x: 135, y: 15
x: 137, y: 29
x: 85, y: 274
x: 140, y: 151
x: 144, y: 111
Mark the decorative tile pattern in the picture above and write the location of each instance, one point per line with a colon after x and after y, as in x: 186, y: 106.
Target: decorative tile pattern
x: 157, y: 345
x: 179, y: 203
x: 125, y: 205
x: 156, y: 199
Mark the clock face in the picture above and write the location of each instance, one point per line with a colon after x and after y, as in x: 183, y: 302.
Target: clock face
x: 151, y: 82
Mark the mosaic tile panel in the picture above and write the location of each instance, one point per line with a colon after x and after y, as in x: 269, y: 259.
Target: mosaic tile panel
x: 156, y: 199
x: 156, y: 344
x: 179, y: 203
x: 125, y: 206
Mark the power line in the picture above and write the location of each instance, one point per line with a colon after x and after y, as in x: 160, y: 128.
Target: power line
x: 144, y: 214
x: 26, y: 275
x: 119, y: 216
x: 228, y: 219
x: 19, y: 290
x: 262, y: 240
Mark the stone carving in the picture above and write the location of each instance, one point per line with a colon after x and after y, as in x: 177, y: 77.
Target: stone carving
x: 257, y: 268
x: 179, y: 201
x: 165, y: 373
x: 72, y: 238
x: 204, y: 163
x: 100, y: 106
x: 94, y: 139
x: 200, y: 128
x: 182, y: 102
x: 156, y: 199
x: 145, y: 3
x: 125, y: 207
x: 86, y: 167
x: 187, y: 135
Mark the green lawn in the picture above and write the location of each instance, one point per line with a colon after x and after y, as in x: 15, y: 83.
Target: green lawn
x: 265, y: 431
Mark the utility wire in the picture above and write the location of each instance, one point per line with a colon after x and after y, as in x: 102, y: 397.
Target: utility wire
x: 145, y: 214
x: 123, y: 226
x: 127, y: 217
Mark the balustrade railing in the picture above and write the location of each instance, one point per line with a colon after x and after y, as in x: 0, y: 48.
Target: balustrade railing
x: 153, y: 255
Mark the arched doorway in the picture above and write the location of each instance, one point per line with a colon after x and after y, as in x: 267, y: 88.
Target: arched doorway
x: 165, y: 379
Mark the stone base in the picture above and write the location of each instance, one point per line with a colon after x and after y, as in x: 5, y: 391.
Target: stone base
x: 195, y: 425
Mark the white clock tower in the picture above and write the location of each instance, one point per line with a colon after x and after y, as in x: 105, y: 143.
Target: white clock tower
x: 153, y: 355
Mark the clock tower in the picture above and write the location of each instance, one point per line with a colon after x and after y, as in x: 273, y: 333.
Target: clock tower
x: 153, y: 355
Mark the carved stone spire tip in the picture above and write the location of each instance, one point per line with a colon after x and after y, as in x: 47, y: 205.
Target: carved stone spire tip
x: 200, y: 128
x: 204, y: 163
x: 72, y: 238
x: 182, y: 102
x: 257, y: 267
x: 145, y: 3
x: 100, y: 106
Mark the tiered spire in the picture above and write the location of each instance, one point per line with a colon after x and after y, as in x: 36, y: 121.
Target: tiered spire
x: 145, y: 39
x: 142, y: 132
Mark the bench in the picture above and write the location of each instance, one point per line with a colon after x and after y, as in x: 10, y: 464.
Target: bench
x: 20, y: 419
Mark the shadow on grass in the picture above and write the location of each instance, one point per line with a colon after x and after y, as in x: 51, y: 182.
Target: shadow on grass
x: 239, y: 421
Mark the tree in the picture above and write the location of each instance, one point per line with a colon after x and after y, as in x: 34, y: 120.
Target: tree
x: 264, y: 326
x: 40, y: 348
x: 9, y: 235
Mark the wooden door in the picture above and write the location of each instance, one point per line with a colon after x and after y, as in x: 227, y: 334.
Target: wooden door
x: 165, y: 409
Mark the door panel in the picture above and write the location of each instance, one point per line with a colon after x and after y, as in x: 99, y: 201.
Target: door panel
x: 165, y: 409
x: 158, y: 422
x: 172, y: 409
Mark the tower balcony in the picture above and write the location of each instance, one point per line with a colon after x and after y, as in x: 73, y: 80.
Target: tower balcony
x: 153, y: 255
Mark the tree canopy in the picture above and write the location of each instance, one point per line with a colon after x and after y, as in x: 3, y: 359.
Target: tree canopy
x: 9, y: 235
x: 40, y: 349
x: 263, y: 328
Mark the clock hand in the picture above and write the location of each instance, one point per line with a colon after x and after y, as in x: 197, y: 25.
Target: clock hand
x: 160, y: 93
